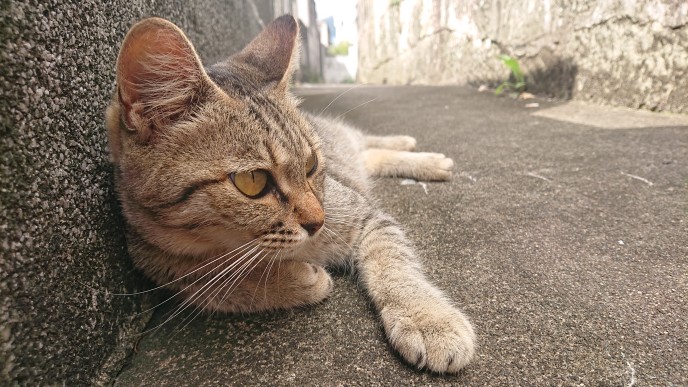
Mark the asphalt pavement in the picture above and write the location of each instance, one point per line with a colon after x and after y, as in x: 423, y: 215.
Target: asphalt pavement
x: 564, y: 240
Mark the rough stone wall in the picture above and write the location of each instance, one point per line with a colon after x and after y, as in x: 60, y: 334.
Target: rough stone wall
x: 61, y: 235
x: 621, y: 52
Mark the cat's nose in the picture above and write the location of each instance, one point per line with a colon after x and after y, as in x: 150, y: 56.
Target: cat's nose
x: 312, y: 228
x: 309, y: 213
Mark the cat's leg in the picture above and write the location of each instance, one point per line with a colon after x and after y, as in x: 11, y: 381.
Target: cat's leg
x: 270, y: 285
x: 401, y: 143
x: 415, y: 165
x: 420, y: 322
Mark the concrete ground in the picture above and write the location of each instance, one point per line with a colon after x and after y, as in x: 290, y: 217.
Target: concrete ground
x: 566, y: 244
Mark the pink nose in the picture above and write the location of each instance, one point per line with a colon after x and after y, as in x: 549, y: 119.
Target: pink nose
x: 312, y: 228
x: 309, y: 213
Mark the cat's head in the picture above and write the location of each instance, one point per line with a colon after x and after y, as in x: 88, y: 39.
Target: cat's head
x: 208, y: 158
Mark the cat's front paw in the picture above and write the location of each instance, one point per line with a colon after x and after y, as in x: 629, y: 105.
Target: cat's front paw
x: 438, y: 339
x: 303, y: 283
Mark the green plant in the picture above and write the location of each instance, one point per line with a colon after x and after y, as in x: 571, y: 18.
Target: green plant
x: 515, y: 67
x: 341, y: 48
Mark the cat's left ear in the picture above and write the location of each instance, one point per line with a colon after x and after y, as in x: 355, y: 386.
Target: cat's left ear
x: 272, y: 56
x: 160, y: 78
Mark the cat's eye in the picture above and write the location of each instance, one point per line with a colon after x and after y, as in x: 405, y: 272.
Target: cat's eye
x: 311, y: 164
x: 250, y: 183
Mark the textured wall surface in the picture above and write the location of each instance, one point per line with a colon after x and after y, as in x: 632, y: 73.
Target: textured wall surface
x: 622, y: 52
x: 63, y: 251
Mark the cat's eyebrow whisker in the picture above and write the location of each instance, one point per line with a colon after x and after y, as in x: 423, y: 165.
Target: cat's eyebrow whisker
x: 337, y: 97
x: 356, y: 107
x: 210, y: 261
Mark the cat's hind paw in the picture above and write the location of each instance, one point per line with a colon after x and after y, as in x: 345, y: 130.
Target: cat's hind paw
x: 431, y: 166
x: 402, y: 143
x: 399, y: 143
x: 441, y: 341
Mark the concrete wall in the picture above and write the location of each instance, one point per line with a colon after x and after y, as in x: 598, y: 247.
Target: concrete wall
x: 61, y: 235
x: 622, y: 52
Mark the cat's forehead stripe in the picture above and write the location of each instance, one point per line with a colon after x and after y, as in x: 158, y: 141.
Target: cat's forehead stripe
x: 239, y: 87
x: 280, y: 125
x: 279, y: 154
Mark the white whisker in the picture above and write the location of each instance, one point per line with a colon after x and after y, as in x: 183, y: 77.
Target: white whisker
x: 337, y: 97
x: 207, y: 288
x: 267, y: 270
x: 202, y: 305
x: 238, y: 278
x: 191, y: 284
x: 327, y: 229
x: 356, y: 107
x: 211, y: 261
x: 188, y: 301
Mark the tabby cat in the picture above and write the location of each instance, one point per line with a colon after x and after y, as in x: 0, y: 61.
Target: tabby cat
x: 236, y: 200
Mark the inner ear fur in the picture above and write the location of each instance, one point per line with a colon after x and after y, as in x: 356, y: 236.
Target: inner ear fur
x: 160, y: 77
x: 271, y: 57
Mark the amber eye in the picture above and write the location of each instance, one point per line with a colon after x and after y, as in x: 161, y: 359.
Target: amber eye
x: 251, y: 183
x: 311, y: 164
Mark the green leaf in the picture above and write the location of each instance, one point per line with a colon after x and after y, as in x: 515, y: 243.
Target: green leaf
x: 520, y: 86
x: 500, y: 88
x: 514, y: 66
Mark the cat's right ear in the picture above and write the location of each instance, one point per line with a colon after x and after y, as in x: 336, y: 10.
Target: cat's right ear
x: 271, y: 57
x: 160, y: 78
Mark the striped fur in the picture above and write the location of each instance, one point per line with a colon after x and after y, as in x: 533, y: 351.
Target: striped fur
x: 178, y: 133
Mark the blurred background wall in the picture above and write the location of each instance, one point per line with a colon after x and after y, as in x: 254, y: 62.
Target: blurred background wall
x: 622, y: 52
